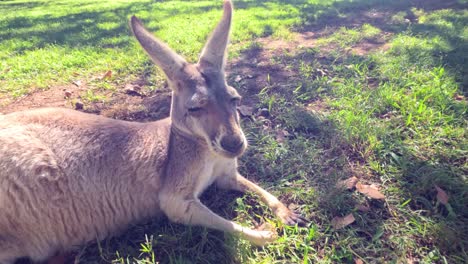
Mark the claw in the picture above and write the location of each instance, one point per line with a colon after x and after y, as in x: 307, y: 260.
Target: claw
x: 289, y: 217
x: 299, y: 219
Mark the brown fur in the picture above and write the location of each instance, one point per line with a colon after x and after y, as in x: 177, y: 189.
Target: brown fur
x: 68, y: 177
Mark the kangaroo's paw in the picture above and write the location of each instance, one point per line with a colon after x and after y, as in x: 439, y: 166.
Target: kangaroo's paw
x: 260, y: 238
x: 290, y: 217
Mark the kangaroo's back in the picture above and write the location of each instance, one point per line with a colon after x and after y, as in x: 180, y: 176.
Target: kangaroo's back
x: 77, y: 176
x: 83, y: 142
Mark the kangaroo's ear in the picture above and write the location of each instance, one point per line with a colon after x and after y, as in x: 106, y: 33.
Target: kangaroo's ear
x: 214, y: 53
x: 160, y: 53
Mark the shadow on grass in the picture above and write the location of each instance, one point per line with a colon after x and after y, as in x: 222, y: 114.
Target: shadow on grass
x: 88, y: 24
x: 317, y: 153
x: 105, y: 27
x: 305, y: 166
x: 396, y: 17
x: 449, y: 224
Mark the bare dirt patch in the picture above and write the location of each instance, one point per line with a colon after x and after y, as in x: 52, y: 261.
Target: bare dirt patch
x: 52, y: 97
x: 305, y: 39
x: 318, y: 106
x: 128, y: 107
x: 259, y: 66
x: 369, y: 45
x: 119, y: 105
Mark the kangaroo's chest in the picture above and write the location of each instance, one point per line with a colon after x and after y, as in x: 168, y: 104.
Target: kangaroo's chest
x: 205, y: 178
x: 210, y: 171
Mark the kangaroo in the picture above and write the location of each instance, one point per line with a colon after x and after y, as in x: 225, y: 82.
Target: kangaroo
x: 68, y: 177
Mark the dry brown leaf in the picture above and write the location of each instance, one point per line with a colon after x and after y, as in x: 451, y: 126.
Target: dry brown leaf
x: 340, y: 222
x: 363, y: 208
x: 369, y: 191
x: 347, y: 184
x: 459, y: 97
x: 78, y: 83
x: 281, y: 135
x: 67, y: 94
x: 107, y: 75
x: 246, y: 111
x: 131, y: 89
x: 442, y: 196
x: 358, y: 261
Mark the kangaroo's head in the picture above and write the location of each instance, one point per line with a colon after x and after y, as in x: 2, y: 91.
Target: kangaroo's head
x: 203, y: 104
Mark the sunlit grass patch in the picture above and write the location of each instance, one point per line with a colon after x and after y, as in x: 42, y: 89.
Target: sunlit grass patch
x: 345, y: 37
x: 394, y: 116
x: 46, y: 30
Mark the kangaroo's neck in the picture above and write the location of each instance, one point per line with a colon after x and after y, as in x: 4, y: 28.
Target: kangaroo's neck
x: 183, y: 142
x: 192, y: 166
x: 162, y: 139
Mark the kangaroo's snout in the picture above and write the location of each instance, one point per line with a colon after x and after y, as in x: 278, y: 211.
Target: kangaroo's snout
x: 234, y: 145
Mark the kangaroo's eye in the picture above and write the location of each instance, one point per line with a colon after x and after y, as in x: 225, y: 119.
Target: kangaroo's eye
x: 194, y: 109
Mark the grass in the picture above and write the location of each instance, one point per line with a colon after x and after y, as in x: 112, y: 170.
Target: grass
x: 345, y: 37
x: 395, y: 116
x: 51, y: 42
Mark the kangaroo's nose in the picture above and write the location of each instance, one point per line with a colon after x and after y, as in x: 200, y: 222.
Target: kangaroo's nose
x: 232, y: 144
